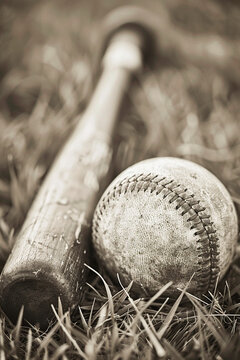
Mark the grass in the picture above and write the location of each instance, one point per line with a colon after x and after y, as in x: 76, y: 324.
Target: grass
x: 187, y: 106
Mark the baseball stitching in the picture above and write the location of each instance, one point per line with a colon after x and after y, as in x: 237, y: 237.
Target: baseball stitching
x: 207, y: 241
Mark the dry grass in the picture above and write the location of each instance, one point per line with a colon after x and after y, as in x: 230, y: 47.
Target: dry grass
x: 188, y: 106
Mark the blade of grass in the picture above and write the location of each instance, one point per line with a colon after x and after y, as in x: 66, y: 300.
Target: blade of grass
x: 93, y: 288
x: 212, y: 323
x: 28, y: 345
x: 2, y: 352
x: 83, y: 321
x: 152, y: 336
x: 47, y: 339
x: 60, y: 352
x: 90, y: 320
x: 17, y: 330
x: 200, y: 335
x: 93, y: 347
x: 102, y: 316
x: 108, y: 291
x: 170, y: 315
x: 172, y: 351
x: 153, y: 298
x: 73, y: 341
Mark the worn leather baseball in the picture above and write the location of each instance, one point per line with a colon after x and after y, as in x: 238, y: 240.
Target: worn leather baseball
x: 166, y: 219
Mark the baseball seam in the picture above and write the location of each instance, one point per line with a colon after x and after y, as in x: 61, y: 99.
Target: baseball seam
x: 200, y: 220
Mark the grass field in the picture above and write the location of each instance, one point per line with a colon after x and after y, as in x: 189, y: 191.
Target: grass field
x: 186, y: 106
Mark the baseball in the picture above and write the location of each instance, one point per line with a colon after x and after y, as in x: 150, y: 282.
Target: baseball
x: 166, y: 219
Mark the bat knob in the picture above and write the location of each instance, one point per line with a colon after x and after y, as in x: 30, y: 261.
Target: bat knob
x: 144, y: 26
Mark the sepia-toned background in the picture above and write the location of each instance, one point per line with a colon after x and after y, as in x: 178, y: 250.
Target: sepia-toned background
x: 187, y: 106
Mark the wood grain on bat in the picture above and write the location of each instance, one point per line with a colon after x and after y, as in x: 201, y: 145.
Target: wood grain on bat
x: 48, y: 258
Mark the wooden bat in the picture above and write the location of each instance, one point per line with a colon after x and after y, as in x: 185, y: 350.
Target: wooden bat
x: 47, y: 260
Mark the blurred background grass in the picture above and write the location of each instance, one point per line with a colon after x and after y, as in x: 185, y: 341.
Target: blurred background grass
x: 187, y: 106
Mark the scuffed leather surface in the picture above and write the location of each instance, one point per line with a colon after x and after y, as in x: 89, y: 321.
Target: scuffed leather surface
x: 139, y: 233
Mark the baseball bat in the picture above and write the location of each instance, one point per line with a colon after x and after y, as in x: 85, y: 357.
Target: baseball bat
x: 47, y: 260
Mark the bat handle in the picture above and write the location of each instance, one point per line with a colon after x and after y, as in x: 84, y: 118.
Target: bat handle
x: 122, y: 59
